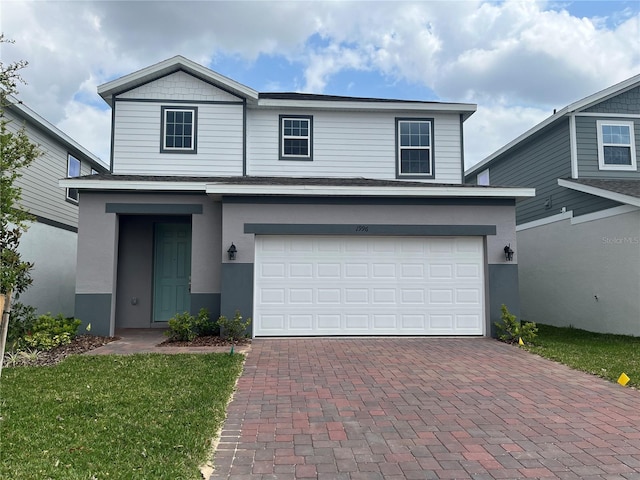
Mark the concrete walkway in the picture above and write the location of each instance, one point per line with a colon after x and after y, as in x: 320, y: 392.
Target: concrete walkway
x: 132, y: 340
x: 423, y: 408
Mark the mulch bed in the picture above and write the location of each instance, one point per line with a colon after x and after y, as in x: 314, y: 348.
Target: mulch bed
x: 79, y: 344
x: 85, y: 343
x: 207, y: 341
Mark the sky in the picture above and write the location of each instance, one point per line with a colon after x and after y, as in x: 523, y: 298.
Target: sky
x: 517, y: 60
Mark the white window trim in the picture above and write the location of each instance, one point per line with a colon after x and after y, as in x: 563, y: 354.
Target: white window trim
x: 431, y: 173
x: 601, y: 145
x: 69, y: 197
x: 295, y: 137
x: 483, y: 177
x: 194, y: 113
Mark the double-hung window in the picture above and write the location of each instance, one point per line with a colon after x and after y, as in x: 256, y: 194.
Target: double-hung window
x: 179, y: 130
x: 73, y: 170
x: 616, y: 145
x: 414, y: 138
x: 296, y: 137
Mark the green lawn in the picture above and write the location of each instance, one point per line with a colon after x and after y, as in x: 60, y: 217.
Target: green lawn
x: 601, y: 354
x: 114, y: 417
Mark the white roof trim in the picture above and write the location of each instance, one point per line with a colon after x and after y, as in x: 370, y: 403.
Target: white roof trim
x: 166, y: 67
x: 288, y: 190
x: 367, y: 191
x: 574, y: 107
x: 139, y: 185
x: 467, y: 108
x: 600, y: 192
x: 25, y: 111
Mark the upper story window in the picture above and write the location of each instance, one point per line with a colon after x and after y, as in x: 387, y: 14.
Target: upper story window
x: 296, y: 137
x: 483, y: 177
x: 73, y: 170
x: 616, y: 145
x: 415, y: 147
x: 179, y: 129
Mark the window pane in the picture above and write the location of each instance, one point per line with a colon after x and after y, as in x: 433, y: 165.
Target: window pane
x: 73, y: 167
x: 617, y: 155
x: 171, y: 117
x: 415, y: 134
x: 415, y: 162
x: 298, y: 147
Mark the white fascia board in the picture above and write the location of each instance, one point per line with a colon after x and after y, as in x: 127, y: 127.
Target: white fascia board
x: 368, y: 191
x: 465, y: 108
x: 600, y: 192
x: 54, y: 131
x: 85, y: 184
x: 165, y: 67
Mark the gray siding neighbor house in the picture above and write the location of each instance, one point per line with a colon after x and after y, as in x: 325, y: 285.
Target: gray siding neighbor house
x: 51, y: 240
x: 579, y: 237
x: 311, y: 214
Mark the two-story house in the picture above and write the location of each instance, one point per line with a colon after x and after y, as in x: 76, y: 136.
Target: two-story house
x: 312, y: 214
x: 579, y: 238
x: 50, y: 242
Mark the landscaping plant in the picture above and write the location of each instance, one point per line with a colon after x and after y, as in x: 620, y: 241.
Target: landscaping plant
x: 184, y: 327
x: 233, y: 329
x: 511, y: 330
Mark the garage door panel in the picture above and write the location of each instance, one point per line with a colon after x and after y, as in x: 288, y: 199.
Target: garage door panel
x: 368, y: 286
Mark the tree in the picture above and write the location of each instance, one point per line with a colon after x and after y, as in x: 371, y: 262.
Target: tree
x: 16, y: 153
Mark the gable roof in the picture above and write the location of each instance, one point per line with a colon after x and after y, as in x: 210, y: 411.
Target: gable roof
x: 167, y: 67
x: 574, y: 107
x: 273, y: 99
x: 74, y: 147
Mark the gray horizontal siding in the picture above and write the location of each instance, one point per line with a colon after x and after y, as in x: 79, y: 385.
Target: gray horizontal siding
x: 587, y: 140
x: 41, y: 194
x: 538, y: 164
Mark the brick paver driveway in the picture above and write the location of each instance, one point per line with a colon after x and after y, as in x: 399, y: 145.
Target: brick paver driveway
x: 423, y: 408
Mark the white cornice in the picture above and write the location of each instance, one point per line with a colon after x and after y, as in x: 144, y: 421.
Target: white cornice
x: 289, y: 190
x: 464, y: 108
x: 368, y: 191
x: 600, y: 192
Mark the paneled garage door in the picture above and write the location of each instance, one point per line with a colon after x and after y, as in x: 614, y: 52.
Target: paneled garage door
x: 337, y: 285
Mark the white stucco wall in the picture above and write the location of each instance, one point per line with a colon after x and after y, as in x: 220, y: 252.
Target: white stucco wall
x: 53, y: 251
x: 584, y: 274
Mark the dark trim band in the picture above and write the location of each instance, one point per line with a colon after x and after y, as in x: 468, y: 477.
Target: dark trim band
x: 53, y: 223
x: 154, y: 208
x: 370, y: 229
x: 282, y: 200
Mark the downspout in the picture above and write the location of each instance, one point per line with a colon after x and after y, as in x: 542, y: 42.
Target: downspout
x: 461, y: 150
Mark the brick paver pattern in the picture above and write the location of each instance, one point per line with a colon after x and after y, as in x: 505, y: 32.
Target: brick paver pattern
x: 423, y: 408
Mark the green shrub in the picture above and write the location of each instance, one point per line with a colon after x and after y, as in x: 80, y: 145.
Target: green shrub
x: 181, y: 327
x: 511, y: 330
x: 233, y: 329
x: 21, y: 321
x: 49, y: 332
x: 184, y: 327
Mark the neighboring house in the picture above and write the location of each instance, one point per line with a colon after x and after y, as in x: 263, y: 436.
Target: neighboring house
x: 312, y: 214
x: 51, y: 240
x: 579, y: 238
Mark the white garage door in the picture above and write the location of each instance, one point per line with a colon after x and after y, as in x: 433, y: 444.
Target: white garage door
x: 337, y: 285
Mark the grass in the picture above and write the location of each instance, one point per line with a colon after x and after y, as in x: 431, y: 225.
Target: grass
x: 600, y: 354
x: 116, y: 417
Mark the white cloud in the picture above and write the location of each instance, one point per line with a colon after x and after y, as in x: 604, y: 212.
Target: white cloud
x: 516, y: 59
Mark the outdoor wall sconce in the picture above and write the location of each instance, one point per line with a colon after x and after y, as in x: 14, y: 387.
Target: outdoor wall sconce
x: 232, y: 252
x: 508, y: 253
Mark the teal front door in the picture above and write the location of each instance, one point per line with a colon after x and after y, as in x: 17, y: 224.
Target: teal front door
x: 172, y: 270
